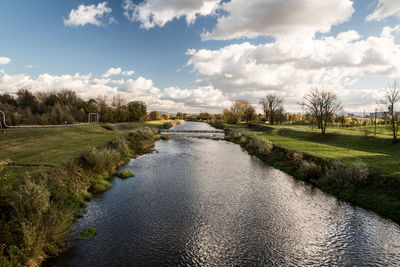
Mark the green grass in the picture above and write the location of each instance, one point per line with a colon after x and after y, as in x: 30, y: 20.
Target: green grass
x: 56, y: 146
x: 235, y: 126
x: 378, y: 153
x: 156, y: 124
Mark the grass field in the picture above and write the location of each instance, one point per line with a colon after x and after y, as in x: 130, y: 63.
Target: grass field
x: 56, y: 146
x: 378, y: 153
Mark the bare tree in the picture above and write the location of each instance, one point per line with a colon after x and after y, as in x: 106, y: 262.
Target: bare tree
x: 391, y: 99
x: 270, y: 104
x: 322, y: 105
x: 249, y: 114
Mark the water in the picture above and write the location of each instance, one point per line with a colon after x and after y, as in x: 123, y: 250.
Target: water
x: 203, y: 202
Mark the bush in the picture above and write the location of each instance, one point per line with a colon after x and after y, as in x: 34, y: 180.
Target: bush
x: 296, y: 158
x: 108, y: 126
x: 243, y: 140
x: 121, y: 146
x: 88, y: 233
x: 339, y: 175
x: 309, y: 170
x: 100, y: 186
x: 167, y: 125
x: 142, y: 140
x: 36, y: 228
x: 262, y: 145
x: 234, y: 135
x: 165, y: 137
x: 125, y: 174
x: 99, y: 159
x: 219, y: 124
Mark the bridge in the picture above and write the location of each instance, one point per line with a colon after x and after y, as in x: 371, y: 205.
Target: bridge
x: 216, y: 131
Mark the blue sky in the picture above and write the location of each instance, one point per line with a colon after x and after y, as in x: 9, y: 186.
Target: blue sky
x: 45, y: 52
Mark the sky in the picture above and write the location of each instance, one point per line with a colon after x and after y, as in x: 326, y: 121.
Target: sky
x: 200, y: 55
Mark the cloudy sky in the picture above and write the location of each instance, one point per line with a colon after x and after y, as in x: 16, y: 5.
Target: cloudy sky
x: 199, y: 55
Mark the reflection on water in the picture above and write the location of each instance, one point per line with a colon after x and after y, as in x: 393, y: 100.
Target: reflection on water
x: 206, y: 202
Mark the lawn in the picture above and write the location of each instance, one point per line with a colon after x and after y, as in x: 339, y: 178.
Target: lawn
x: 56, y: 146
x: 379, y: 154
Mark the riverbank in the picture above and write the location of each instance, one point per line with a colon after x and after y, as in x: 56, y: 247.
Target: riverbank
x: 48, y: 175
x: 332, y: 163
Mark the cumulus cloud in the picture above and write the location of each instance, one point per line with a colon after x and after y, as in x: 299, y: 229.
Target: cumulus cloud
x: 244, y: 18
x: 128, y: 72
x: 169, y: 99
x: 4, y: 60
x: 111, y: 72
x: 385, y: 8
x: 152, y: 13
x: 291, y: 67
x: 93, y: 14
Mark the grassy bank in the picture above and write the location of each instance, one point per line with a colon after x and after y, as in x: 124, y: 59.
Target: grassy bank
x: 39, y: 204
x: 373, y: 183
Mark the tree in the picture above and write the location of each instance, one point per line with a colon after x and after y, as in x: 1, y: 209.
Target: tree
x: 249, y: 113
x: 238, y: 109
x: 392, y: 97
x: 322, y: 105
x: 165, y: 116
x: 270, y: 104
x: 138, y: 110
x: 154, y: 115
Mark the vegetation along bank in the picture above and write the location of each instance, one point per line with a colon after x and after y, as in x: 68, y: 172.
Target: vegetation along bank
x: 49, y: 175
x: 347, y: 166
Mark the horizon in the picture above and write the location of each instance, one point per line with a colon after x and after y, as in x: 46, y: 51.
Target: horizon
x: 200, y: 56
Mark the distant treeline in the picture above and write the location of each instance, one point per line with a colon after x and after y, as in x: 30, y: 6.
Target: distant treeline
x: 66, y: 106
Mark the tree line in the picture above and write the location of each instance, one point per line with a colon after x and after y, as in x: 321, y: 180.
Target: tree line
x: 322, y: 107
x: 67, y: 107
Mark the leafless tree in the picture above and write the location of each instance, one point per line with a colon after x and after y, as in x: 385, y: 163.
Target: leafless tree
x: 391, y: 100
x: 270, y: 104
x: 249, y: 114
x: 322, y: 105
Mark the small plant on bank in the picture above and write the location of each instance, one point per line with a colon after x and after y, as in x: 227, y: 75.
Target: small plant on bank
x: 219, y: 124
x: 296, y: 158
x: 125, y: 174
x: 88, y: 233
x: 234, y: 135
x: 339, y: 175
x: 262, y: 145
x: 167, y: 125
x: 165, y: 137
x: 108, y: 126
x: 99, y: 159
x: 243, y: 140
x: 100, y: 186
x: 309, y: 171
x: 121, y: 145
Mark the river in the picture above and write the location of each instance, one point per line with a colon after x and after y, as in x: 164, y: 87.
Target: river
x: 202, y: 202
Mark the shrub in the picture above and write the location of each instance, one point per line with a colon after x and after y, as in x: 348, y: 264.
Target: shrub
x: 99, y: 159
x: 339, y: 175
x: 100, y: 186
x: 167, y: 125
x: 88, y: 233
x: 309, y: 170
x: 296, y: 158
x: 108, y: 126
x: 125, y: 174
x: 219, y: 124
x: 243, y: 140
x: 165, y: 137
x: 260, y: 144
x: 142, y: 140
x: 234, y: 135
x: 121, y: 146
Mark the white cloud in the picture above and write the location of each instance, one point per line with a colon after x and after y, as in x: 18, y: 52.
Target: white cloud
x: 152, y: 13
x: 111, y: 72
x: 254, y: 18
x: 92, y: 14
x: 128, y: 72
x: 385, y: 8
x: 292, y: 66
x: 206, y: 97
x: 4, y: 60
x: 170, y: 99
